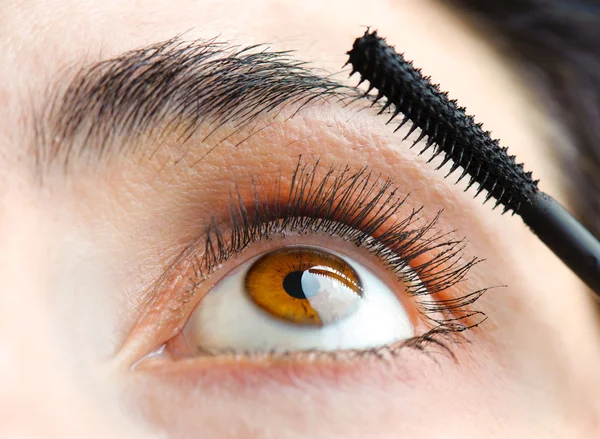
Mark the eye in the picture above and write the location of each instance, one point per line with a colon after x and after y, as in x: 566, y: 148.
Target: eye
x: 338, y: 261
x: 298, y: 298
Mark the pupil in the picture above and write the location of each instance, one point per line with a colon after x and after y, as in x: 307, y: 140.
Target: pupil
x: 292, y: 284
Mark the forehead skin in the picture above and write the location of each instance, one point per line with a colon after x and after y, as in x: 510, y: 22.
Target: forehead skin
x: 541, y: 336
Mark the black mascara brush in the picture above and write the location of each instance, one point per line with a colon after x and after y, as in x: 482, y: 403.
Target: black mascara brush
x: 449, y: 130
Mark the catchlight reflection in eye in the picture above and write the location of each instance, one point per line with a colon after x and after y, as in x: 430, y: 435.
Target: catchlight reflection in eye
x: 298, y: 298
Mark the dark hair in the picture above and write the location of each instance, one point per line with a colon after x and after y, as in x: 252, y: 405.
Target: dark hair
x: 557, y: 42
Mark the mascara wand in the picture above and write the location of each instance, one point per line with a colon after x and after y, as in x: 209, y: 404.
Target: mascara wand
x: 466, y: 145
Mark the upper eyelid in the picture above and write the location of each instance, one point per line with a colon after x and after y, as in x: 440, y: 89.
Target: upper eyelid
x: 171, y: 84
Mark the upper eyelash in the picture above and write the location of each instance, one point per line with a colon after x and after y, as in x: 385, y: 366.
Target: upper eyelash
x: 352, y: 205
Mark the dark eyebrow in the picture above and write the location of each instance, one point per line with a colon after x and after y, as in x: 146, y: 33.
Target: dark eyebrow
x: 174, y: 86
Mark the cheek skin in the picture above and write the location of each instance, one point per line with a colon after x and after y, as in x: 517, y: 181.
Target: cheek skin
x: 410, y: 397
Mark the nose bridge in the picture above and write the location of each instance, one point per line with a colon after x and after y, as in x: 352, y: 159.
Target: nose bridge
x: 47, y: 389
x: 30, y: 367
x: 38, y: 395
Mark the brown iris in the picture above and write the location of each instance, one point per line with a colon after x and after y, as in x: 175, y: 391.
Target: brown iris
x: 304, y: 285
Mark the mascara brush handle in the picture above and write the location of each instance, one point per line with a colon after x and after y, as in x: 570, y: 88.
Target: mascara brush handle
x: 565, y: 236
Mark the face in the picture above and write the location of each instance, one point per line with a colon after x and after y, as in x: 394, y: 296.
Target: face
x: 201, y: 242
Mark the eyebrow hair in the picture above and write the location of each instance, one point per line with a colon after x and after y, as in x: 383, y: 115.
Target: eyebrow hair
x: 174, y: 86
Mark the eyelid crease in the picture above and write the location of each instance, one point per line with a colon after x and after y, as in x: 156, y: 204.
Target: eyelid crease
x: 362, y: 209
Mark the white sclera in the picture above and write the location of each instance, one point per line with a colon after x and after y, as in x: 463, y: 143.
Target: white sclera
x: 227, y: 319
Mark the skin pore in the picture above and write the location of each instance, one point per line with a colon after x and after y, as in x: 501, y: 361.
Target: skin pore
x: 81, y: 249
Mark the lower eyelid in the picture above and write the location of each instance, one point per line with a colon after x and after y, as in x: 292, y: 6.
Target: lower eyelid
x: 297, y: 368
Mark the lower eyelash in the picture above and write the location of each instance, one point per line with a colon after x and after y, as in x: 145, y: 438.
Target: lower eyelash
x: 354, y: 206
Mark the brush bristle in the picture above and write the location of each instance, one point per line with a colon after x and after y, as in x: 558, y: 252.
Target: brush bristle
x: 446, y: 125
